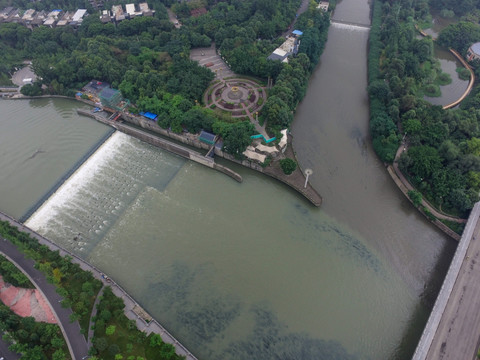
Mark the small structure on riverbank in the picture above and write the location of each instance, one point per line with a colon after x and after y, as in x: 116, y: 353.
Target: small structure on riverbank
x: 473, y: 52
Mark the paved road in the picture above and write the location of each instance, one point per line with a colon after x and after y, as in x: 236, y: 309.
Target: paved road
x: 132, y: 309
x: 209, y: 56
x: 7, y: 354
x: 173, y: 19
x: 458, y: 332
x: 71, y: 331
x: 303, y: 7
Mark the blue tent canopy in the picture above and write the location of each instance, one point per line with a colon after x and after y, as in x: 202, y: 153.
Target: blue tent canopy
x: 297, y: 32
x: 148, y: 115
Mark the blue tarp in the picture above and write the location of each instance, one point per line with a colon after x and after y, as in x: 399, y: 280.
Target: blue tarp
x: 148, y: 115
x: 297, y: 32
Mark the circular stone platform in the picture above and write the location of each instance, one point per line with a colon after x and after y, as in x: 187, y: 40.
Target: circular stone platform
x: 241, y: 97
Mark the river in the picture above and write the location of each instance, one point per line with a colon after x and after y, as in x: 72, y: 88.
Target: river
x: 249, y: 270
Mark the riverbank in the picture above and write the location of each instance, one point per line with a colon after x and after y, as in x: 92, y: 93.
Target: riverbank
x: 132, y: 309
x: 296, y: 180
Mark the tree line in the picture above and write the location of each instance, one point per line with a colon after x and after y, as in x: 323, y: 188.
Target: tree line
x: 147, y: 58
x: 441, y: 159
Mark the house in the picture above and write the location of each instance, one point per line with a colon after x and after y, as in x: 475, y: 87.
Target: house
x: 473, y: 52
x: 279, y: 55
x: 65, y: 19
x: 289, y: 47
x: 118, y: 13
x: 323, y: 5
x: 39, y: 18
x: 52, y: 18
x: 106, y: 16
x: 130, y: 10
x: 5, y: 13
x: 28, y: 17
x: 78, y: 17
x: 207, y: 137
x: 145, y: 10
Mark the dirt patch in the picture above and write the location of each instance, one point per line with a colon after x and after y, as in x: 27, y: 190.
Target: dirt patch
x: 26, y: 302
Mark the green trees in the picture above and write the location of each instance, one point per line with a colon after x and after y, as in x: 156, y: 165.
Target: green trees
x: 236, y: 136
x: 460, y: 36
x: 288, y: 165
x: 442, y: 157
x: 12, y: 275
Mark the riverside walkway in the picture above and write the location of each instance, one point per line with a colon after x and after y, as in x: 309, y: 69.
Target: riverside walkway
x: 132, y: 309
x: 76, y: 343
x: 453, y: 329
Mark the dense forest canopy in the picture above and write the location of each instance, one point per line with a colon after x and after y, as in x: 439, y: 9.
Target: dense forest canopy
x: 147, y: 58
x: 442, y: 158
x: 459, y: 7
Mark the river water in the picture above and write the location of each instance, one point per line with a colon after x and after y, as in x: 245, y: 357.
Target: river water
x: 250, y: 270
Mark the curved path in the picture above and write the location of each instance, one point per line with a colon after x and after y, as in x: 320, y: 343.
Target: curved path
x: 71, y: 331
x: 438, y: 214
x: 465, y: 64
x: 7, y: 354
x: 132, y: 309
x: 470, y: 84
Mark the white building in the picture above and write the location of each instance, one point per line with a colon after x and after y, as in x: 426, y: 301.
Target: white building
x: 323, y: 5
x: 473, y: 52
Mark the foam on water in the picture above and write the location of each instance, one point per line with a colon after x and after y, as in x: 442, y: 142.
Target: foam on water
x: 81, y: 212
x: 350, y: 27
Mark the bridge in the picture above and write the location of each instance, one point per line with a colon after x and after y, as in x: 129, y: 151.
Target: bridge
x: 453, y: 329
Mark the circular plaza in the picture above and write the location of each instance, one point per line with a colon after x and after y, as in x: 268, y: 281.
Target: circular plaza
x: 240, y: 97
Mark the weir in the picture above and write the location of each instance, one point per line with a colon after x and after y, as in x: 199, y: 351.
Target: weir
x: 132, y: 308
x: 64, y: 177
x: 350, y: 25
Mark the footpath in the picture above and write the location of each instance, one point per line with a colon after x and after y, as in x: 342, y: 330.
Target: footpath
x: 405, y: 186
x: 71, y: 331
x: 132, y: 309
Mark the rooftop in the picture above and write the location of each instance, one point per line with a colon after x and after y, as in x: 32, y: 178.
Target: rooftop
x: 476, y: 48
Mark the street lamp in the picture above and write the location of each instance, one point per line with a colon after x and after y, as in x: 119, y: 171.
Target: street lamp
x: 308, y: 172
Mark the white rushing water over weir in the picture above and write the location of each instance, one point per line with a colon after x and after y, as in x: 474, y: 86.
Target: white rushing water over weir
x: 83, y: 209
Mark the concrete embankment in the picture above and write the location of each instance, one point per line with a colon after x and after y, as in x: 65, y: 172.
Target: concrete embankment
x: 132, y: 309
x: 295, y: 180
x: 164, y: 144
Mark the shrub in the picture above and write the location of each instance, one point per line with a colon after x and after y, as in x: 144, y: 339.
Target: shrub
x: 110, y: 330
x: 463, y: 73
x: 416, y: 197
x: 288, y: 166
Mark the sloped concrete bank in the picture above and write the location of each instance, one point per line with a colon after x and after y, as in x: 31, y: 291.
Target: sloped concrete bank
x: 296, y: 180
x: 164, y: 144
